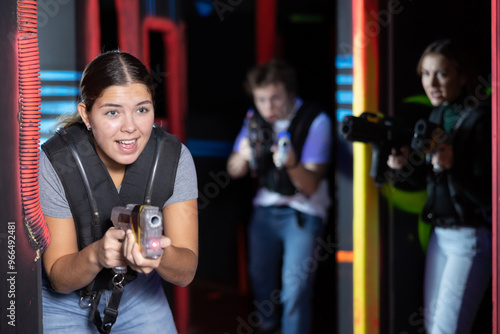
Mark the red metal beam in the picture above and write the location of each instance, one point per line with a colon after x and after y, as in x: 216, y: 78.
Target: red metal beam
x: 176, y: 92
x: 495, y: 51
x: 265, y: 25
x: 127, y: 14
x: 92, y: 26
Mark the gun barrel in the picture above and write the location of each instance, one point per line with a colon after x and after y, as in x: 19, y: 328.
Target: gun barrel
x: 426, y: 136
x: 359, y: 129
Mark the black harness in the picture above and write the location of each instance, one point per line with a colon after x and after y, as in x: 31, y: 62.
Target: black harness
x: 149, y: 180
x: 269, y: 176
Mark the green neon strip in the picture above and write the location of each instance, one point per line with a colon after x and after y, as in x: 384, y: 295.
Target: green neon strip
x: 307, y: 18
x: 412, y: 202
x: 422, y: 99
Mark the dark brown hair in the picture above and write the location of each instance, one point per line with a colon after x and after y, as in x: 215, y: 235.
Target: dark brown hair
x: 112, y: 68
x: 272, y: 72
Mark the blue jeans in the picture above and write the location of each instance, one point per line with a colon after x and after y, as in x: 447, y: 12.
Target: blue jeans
x: 457, y: 274
x: 143, y: 309
x: 282, y: 245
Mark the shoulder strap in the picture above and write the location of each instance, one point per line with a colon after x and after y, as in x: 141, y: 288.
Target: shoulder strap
x: 299, y: 127
x: 91, y: 199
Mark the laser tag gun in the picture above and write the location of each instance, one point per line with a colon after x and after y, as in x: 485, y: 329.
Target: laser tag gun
x: 427, y: 135
x: 284, y: 144
x: 146, y: 223
x: 383, y: 134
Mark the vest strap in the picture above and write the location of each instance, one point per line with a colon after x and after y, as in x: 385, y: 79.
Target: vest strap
x: 268, y: 175
x: 105, y: 324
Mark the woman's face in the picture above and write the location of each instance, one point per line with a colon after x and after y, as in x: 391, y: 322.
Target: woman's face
x: 273, y: 102
x: 441, y: 81
x: 121, y: 121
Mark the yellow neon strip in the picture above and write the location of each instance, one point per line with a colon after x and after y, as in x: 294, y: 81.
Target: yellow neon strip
x: 365, y: 201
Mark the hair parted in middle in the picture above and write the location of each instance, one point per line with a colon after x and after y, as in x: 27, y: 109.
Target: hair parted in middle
x: 111, y: 68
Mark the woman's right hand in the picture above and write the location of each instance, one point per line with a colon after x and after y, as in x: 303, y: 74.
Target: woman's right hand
x: 110, y: 249
x: 397, y: 161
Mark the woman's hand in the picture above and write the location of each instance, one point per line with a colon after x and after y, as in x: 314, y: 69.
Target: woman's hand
x: 109, y: 249
x: 133, y: 255
x: 443, y: 157
x: 397, y: 161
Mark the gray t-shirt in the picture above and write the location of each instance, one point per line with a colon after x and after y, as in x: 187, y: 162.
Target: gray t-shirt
x: 53, y: 198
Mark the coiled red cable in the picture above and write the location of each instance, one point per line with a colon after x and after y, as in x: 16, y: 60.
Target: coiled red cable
x: 29, y: 123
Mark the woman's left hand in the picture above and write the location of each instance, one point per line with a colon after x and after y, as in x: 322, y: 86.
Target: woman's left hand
x: 133, y: 255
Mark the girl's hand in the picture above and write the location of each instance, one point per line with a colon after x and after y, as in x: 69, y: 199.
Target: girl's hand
x: 133, y: 255
x: 443, y: 157
x: 397, y: 161
x: 109, y: 249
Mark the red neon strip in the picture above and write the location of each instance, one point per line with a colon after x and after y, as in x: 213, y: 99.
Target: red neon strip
x: 265, y: 22
x: 495, y: 45
x: 174, y: 79
x: 183, y: 66
x: 175, y: 67
x: 243, y: 285
x: 92, y: 35
x: 127, y: 14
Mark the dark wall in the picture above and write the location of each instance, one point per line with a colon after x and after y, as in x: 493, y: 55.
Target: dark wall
x: 420, y: 22
x: 221, y: 47
x: 20, y: 300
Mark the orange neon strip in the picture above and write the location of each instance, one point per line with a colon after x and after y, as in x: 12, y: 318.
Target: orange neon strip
x: 345, y: 256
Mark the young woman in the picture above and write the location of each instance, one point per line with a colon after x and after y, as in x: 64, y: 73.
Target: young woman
x: 101, y: 159
x: 458, y: 262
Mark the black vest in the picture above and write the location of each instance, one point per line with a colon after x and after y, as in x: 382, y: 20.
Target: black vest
x: 133, y: 188
x: 269, y: 176
x: 464, y: 206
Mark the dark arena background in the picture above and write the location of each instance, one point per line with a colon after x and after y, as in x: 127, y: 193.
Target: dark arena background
x: 350, y: 55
